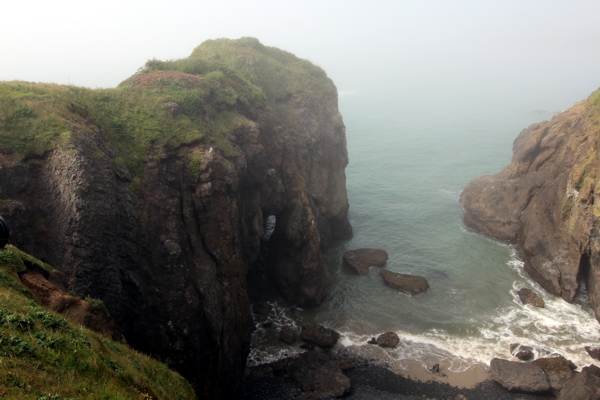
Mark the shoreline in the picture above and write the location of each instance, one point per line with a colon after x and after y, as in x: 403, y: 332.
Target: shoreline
x: 370, y: 380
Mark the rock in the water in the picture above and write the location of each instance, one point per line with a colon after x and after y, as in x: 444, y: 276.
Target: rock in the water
x: 372, y: 341
x: 527, y: 296
x: 582, y: 386
x: 363, y: 259
x: 594, y: 352
x: 316, y: 372
x: 518, y: 376
x: 319, y: 335
x: 592, y: 369
x: 557, y: 369
x: 525, y: 353
x: 388, y: 339
x: 287, y: 334
x: 410, y: 284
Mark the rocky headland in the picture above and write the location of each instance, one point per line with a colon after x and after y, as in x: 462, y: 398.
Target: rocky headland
x: 545, y: 204
x: 152, y: 196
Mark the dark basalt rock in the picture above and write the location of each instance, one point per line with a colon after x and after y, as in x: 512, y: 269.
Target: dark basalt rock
x: 363, y: 259
x: 316, y: 372
x: 410, y: 284
x: 287, y: 334
x: 319, y: 335
x: 527, y: 296
x: 594, y: 352
x: 524, y: 353
x: 388, y: 339
x: 518, y: 376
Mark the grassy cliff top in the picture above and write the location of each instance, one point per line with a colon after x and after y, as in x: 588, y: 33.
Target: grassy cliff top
x: 44, y: 356
x: 204, y: 97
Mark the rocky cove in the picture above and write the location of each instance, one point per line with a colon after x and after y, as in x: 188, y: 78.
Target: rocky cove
x: 154, y: 197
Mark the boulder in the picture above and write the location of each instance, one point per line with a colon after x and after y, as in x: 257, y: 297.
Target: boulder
x: 527, y: 296
x: 557, y: 369
x: 316, y: 372
x: 592, y: 369
x: 319, y: 335
x: 582, y: 386
x: 388, y: 339
x: 524, y: 353
x: 410, y: 284
x: 518, y: 376
x: 346, y: 363
x: 594, y: 352
x: 363, y: 259
x: 287, y: 334
x: 372, y: 341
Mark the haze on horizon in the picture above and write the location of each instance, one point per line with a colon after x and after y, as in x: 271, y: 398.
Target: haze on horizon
x: 542, y: 54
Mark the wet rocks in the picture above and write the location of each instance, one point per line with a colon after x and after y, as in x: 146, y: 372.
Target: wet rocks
x: 518, y: 376
x: 287, y: 334
x: 557, y: 369
x: 410, y: 284
x: 317, y: 372
x: 527, y: 296
x: 524, y: 353
x: 388, y: 339
x: 594, y: 352
x: 582, y: 386
x: 319, y: 335
x: 362, y: 259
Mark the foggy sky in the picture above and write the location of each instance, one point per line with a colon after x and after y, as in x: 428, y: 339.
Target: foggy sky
x: 545, y: 54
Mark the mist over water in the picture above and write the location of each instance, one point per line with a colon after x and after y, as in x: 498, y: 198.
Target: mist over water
x: 409, y: 162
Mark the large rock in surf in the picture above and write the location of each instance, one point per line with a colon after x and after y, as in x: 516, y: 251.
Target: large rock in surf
x: 410, y: 284
x: 527, y: 296
x: 319, y: 335
x: 519, y: 376
x: 388, y: 339
x: 363, y: 259
x: 546, y: 202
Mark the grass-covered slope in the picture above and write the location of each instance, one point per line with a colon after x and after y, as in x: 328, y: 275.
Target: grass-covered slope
x: 215, y: 89
x: 44, y: 356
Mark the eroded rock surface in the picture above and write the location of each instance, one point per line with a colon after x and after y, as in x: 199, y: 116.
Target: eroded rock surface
x: 519, y: 376
x: 363, y: 259
x: 388, y: 339
x: 545, y: 202
x: 319, y: 335
x: 410, y: 284
x: 527, y: 296
x: 557, y: 369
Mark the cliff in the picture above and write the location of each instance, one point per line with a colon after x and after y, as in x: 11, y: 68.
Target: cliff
x: 545, y: 203
x: 152, y: 196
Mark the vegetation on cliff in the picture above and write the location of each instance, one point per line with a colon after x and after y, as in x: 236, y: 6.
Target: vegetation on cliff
x: 204, y: 97
x: 44, y: 356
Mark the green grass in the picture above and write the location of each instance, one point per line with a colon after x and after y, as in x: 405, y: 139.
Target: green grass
x: 218, y: 83
x: 44, y: 356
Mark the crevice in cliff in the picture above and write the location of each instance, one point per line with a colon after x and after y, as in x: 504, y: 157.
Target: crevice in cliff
x: 583, y: 276
x: 260, y: 283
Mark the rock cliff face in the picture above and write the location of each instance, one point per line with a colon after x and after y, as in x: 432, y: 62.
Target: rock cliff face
x: 167, y: 246
x: 545, y: 202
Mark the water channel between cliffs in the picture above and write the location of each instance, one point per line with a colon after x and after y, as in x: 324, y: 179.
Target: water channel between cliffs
x: 407, y: 169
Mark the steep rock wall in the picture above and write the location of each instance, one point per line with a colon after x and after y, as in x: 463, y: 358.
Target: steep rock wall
x: 545, y: 202
x: 168, y: 250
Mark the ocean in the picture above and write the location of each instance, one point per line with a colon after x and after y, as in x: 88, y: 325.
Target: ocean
x: 409, y: 162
